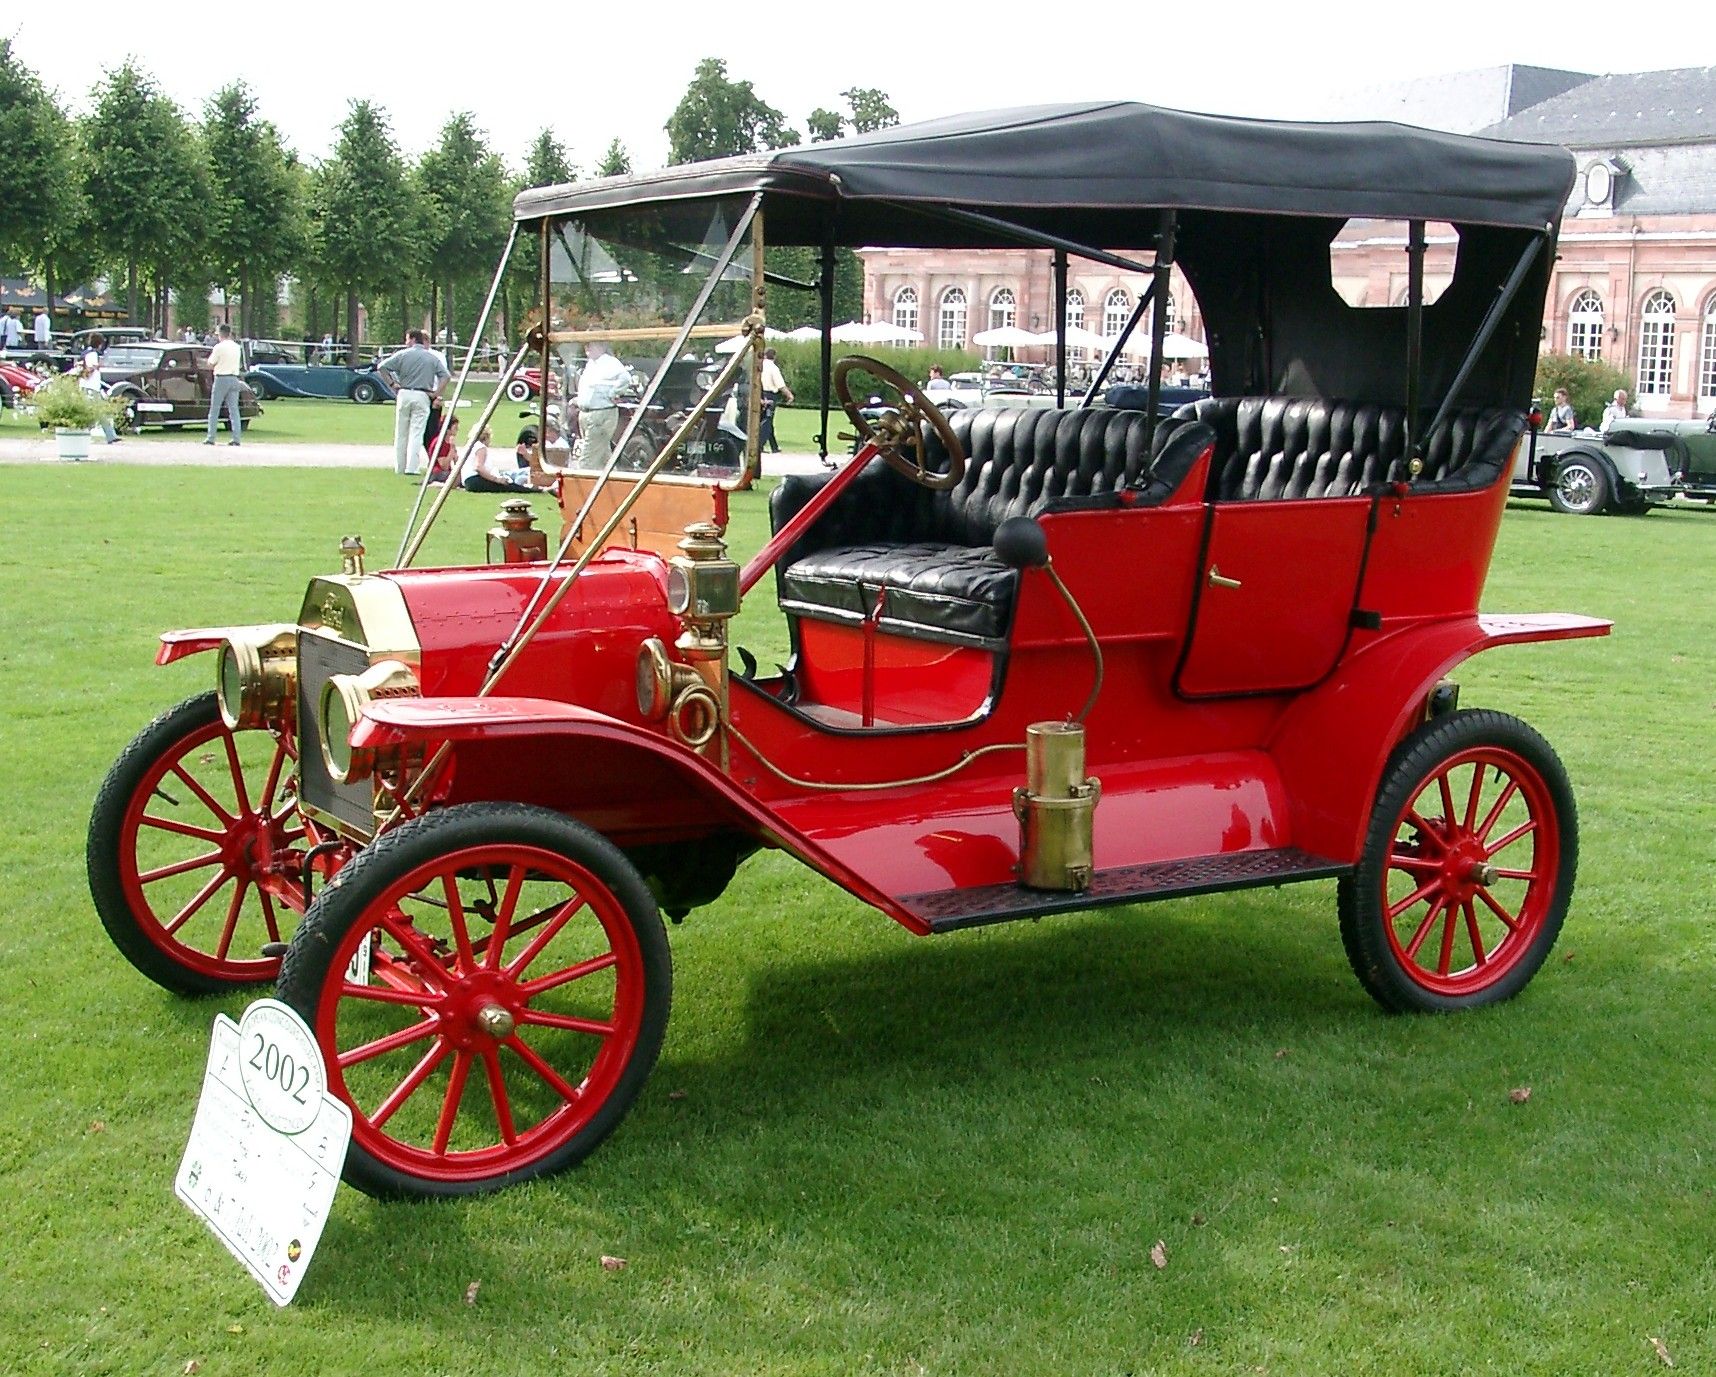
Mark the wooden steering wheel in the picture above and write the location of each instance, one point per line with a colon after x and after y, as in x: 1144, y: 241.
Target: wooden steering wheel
x: 898, y: 434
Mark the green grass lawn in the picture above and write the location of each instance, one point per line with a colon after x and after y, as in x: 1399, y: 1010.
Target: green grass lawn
x: 864, y: 1152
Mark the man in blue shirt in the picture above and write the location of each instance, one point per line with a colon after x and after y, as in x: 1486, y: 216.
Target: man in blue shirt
x: 417, y: 373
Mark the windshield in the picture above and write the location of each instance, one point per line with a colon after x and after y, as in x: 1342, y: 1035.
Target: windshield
x: 129, y: 356
x: 639, y: 325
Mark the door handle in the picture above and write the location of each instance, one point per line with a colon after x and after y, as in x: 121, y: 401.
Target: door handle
x: 1221, y: 580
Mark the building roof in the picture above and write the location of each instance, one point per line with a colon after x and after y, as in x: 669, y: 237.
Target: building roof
x: 1622, y: 110
x: 1456, y: 102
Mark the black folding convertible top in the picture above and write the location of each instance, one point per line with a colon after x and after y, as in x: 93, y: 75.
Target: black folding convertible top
x: 1086, y: 170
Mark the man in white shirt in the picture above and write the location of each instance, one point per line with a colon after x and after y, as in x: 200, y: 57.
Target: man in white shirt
x: 11, y: 331
x: 43, y: 328
x: 775, y: 391
x: 226, y: 359
x: 1615, y: 410
x: 599, y: 385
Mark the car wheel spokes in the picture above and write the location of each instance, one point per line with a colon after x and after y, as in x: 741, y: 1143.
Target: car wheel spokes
x: 503, y: 999
x: 1470, y: 872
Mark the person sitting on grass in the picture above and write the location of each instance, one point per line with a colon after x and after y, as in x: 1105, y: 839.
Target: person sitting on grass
x: 491, y: 472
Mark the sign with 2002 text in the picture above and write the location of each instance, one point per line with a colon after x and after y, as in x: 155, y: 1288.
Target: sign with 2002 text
x: 267, y: 1145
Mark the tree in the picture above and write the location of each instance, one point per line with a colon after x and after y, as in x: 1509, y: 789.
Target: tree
x: 870, y: 109
x: 42, y: 212
x: 718, y: 117
x: 1590, y: 383
x: 547, y: 164
x: 366, y: 220
x: 825, y: 125
x: 256, y: 220
x: 616, y: 162
x: 147, y: 184
x: 463, y: 181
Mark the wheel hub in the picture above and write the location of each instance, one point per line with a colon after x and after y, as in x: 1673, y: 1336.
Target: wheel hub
x: 1466, y: 867
x: 481, y: 1010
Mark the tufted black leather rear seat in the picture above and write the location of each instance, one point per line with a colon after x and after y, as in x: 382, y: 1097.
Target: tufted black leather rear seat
x: 923, y: 558
x: 1279, y: 448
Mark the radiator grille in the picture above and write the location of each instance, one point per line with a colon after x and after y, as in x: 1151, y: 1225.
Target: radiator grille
x: 319, y: 658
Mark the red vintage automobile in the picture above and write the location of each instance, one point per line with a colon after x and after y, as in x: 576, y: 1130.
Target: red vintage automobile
x: 1042, y: 660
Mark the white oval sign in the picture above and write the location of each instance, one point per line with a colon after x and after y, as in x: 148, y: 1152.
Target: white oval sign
x: 281, y: 1066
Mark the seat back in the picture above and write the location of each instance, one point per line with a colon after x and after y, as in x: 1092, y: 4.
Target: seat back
x: 1279, y: 448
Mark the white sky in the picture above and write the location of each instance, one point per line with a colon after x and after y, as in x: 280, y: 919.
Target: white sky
x: 597, y: 71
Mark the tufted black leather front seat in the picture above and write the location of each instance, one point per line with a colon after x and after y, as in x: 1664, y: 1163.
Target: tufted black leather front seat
x: 923, y: 558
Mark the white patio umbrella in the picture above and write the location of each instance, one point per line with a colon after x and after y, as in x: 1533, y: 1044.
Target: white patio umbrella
x: 735, y: 343
x: 1178, y: 346
x: 1080, y: 338
x: 804, y: 334
x: 1009, y: 337
x: 878, y: 332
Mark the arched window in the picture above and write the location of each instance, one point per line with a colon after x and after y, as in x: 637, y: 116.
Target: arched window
x: 1170, y: 316
x: 1003, y: 311
x: 1656, y: 345
x: 950, y: 328
x: 1116, y: 311
x: 1707, y: 357
x: 1075, y: 321
x: 1585, y: 326
x: 906, y: 308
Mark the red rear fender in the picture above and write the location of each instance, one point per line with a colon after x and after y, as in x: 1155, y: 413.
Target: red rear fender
x: 1332, y: 744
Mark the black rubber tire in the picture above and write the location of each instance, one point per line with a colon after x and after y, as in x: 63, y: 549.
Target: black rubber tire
x: 102, y: 850
x: 518, y: 391
x: 1415, y: 760
x: 260, y: 388
x: 1579, y: 487
x: 344, y: 902
x: 364, y: 392
x: 127, y: 421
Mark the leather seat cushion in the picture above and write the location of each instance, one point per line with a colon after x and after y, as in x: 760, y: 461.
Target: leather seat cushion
x: 931, y: 590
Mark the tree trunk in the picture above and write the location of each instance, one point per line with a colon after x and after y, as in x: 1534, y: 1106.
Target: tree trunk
x: 48, y: 284
x: 131, y: 291
x: 244, y: 330
x: 434, y: 307
x: 313, y: 324
x: 404, y: 317
x: 351, y: 325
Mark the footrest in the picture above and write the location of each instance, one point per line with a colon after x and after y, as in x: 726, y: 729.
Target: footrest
x: 946, y: 910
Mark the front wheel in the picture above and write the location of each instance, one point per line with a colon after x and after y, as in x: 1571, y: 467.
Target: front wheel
x: 490, y: 986
x: 1467, y: 869
x: 518, y: 391
x: 1581, y: 488
x: 196, y: 848
x: 364, y: 392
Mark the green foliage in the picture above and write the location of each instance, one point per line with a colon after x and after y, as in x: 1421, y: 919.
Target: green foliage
x: 824, y: 124
x: 547, y: 163
x: 368, y: 223
x: 616, y: 162
x: 870, y: 109
x: 718, y: 117
x: 147, y: 181
x: 1590, y: 384
x: 463, y: 185
x: 801, y: 364
x: 38, y: 167
x: 60, y: 403
x: 256, y: 225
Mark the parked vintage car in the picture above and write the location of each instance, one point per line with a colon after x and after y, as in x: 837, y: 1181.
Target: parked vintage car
x: 16, y: 383
x: 273, y: 371
x: 527, y: 383
x: 1041, y: 660
x: 163, y: 383
x: 1636, y: 464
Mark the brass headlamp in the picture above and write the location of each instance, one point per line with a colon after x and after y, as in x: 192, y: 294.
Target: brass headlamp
x: 344, y: 698
x: 256, y: 676
x: 702, y: 583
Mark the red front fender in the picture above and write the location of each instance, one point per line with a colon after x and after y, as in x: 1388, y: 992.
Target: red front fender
x: 628, y: 783
x: 1332, y: 745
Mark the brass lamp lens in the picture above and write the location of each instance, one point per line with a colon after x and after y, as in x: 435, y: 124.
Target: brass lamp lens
x: 230, y: 687
x: 678, y: 590
x: 336, y: 719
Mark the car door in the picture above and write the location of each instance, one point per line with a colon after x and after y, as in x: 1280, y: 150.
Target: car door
x: 181, y: 382
x: 1699, y: 437
x: 1275, y: 595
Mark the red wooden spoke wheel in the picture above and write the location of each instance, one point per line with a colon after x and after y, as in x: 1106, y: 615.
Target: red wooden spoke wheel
x: 196, y: 850
x: 1467, y: 869
x: 490, y: 986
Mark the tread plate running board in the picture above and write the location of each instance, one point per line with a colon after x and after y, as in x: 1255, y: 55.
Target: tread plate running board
x: 946, y: 910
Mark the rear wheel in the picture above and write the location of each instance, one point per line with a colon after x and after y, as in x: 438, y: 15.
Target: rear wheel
x: 518, y: 391
x: 1468, y: 866
x: 490, y: 986
x: 1581, y: 488
x: 195, y: 850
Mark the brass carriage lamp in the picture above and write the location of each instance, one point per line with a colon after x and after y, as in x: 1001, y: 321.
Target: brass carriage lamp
x: 703, y: 590
x: 514, y: 538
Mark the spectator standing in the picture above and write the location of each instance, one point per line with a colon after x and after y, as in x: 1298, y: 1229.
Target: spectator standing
x: 89, y: 382
x: 599, y: 385
x: 1562, y: 419
x: 775, y: 391
x: 1615, y: 410
x: 225, y: 360
x: 44, y: 329
x: 417, y: 373
x: 11, y: 331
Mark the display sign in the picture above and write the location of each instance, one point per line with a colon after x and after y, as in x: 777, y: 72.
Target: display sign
x: 267, y: 1145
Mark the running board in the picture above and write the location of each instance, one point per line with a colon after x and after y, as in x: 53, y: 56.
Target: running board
x: 946, y: 910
